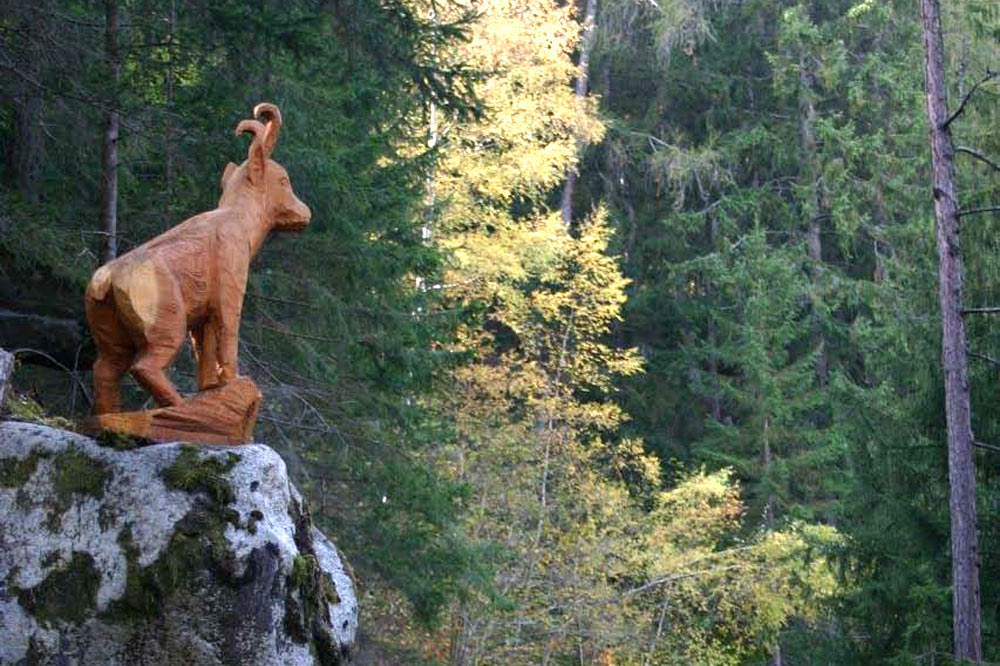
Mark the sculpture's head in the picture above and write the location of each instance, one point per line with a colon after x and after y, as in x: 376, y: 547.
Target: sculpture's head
x: 265, y: 178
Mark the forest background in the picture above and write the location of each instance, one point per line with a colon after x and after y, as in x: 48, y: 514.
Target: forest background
x: 615, y: 336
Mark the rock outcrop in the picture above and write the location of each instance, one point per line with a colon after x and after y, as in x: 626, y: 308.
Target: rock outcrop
x: 161, y: 555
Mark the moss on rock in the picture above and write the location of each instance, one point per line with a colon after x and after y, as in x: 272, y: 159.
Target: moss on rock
x: 68, y: 594
x: 310, y: 593
x: 23, y: 408
x: 192, y: 473
x: 121, y: 441
x: 15, y: 472
x: 197, y: 547
x: 74, y: 473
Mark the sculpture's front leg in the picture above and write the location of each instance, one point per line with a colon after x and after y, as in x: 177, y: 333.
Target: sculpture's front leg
x: 206, y: 350
x: 232, y: 287
x: 229, y: 337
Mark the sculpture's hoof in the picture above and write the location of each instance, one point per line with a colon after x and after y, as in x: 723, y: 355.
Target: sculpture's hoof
x: 221, y: 415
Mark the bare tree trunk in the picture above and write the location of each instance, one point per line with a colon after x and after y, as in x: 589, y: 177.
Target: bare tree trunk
x: 966, y: 620
x: 586, y: 43
x: 168, y: 134
x: 770, y: 511
x: 814, y: 240
x: 713, y: 359
x: 766, y: 460
x: 25, y: 157
x: 109, y: 146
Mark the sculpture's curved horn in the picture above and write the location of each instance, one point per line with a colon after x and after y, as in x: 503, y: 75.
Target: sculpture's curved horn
x: 254, y: 127
x: 257, y: 153
x: 271, y: 116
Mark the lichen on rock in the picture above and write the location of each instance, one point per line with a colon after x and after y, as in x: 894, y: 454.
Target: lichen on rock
x: 162, y: 554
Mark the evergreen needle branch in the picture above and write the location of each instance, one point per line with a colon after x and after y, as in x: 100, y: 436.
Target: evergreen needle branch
x: 978, y: 155
x: 965, y: 100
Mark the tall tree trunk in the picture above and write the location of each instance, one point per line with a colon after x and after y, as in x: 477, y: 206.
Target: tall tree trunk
x: 109, y: 146
x: 961, y: 471
x: 586, y: 44
x: 27, y: 153
x: 766, y: 459
x: 770, y: 512
x: 713, y: 359
x: 814, y: 239
x: 25, y: 157
x: 168, y: 133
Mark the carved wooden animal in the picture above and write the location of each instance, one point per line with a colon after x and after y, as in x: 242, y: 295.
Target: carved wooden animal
x: 191, y: 278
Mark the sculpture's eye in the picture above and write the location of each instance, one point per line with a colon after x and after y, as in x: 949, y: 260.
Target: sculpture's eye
x: 284, y: 181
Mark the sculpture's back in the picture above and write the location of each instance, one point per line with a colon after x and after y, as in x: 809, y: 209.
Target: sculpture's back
x: 191, y: 279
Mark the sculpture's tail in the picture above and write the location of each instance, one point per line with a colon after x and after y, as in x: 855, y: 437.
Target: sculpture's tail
x: 100, y: 284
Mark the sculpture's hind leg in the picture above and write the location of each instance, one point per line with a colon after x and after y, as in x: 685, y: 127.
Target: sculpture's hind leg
x: 114, y: 354
x: 149, y: 368
x: 108, y: 371
x: 149, y: 371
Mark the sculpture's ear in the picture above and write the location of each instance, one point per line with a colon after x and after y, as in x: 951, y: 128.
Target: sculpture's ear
x: 230, y: 168
x: 257, y: 162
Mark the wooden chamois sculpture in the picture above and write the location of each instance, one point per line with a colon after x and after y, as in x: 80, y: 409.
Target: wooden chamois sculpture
x: 191, y: 278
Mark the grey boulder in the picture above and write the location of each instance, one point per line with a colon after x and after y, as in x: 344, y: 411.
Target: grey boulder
x: 162, y: 555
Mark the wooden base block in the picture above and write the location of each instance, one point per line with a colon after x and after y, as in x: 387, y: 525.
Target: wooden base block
x: 222, y: 415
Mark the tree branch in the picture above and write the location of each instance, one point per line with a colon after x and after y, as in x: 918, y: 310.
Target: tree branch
x: 984, y: 357
x: 981, y: 311
x: 978, y: 155
x: 965, y: 100
x: 990, y: 447
x: 974, y: 211
x: 303, y: 336
x: 72, y: 373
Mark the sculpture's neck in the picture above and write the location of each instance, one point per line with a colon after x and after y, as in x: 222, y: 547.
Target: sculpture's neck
x: 252, y: 217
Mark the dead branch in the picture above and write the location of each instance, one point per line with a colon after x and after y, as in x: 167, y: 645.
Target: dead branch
x: 974, y: 211
x: 965, y: 100
x: 983, y: 445
x: 72, y: 373
x: 984, y: 357
x: 978, y: 155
